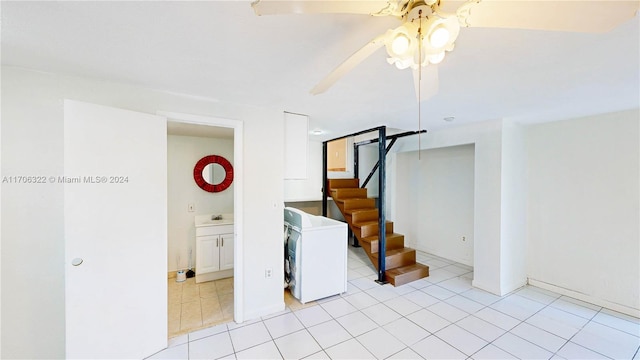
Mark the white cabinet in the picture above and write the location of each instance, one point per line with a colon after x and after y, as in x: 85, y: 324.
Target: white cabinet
x: 296, y: 136
x: 214, y: 252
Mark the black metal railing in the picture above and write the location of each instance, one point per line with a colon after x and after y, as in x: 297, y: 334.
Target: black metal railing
x: 380, y: 166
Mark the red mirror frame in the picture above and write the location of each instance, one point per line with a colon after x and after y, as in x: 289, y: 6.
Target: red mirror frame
x: 213, y: 159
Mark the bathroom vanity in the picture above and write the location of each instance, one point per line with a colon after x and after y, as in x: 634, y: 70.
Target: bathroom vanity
x: 214, y: 247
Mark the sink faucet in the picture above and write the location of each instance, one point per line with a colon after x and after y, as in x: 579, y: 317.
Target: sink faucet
x: 216, y: 217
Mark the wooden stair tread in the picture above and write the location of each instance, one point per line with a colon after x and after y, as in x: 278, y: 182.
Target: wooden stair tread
x: 360, y: 203
x: 406, y: 274
x: 351, y: 211
x: 348, y: 193
x: 396, y: 258
x: 393, y: 252
x: 375, y: 237
x: 370, y: 222
x: 371, y: 243
x: 406, y: 269
x: 342, y: 183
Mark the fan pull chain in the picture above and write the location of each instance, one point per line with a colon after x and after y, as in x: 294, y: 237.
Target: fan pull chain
x: 419, y: 82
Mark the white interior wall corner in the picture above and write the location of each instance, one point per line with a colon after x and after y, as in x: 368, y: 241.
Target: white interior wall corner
x: 513, y: 207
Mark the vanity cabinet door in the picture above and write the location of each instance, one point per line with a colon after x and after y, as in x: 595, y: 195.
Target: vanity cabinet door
x: 226, y: 251
x: 207, y: 251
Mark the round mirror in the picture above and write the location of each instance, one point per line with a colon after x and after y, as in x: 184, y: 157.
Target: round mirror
x: 213, y: 173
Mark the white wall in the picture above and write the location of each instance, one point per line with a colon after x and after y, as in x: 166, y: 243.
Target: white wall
x: 584, y: 212
x: 513, y: 206
x: 32, y: 219
x: 32, y: 216
x: 183, y: 152
x: 487, y: 140
x: 437, y: 194
x: 368, y: 158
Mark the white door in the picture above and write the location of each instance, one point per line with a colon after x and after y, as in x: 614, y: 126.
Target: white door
x: 115, y: 219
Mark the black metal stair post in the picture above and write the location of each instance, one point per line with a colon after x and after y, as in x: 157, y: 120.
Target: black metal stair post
x: 356, y: 168
x: 325, y: 191
x: 382, y: 228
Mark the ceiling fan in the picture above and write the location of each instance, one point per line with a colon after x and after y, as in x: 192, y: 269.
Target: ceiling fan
x: 429, y: 28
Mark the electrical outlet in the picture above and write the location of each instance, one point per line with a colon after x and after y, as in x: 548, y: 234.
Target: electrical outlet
x: 464, y: 238
x: 267, y: 273
x: 191, y: 207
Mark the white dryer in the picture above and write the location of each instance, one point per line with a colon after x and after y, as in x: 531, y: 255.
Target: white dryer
x: 315, y: 255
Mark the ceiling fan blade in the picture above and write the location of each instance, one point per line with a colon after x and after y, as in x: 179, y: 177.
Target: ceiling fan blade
x: 350, y: 63
x: 591, y: 16
x: 426, y: 84
x: 368, y: 7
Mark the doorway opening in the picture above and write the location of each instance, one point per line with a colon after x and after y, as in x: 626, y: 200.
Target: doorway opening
x: 199, y: 296
x: 435, y: 203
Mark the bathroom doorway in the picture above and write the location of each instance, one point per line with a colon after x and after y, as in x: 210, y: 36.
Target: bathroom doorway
x: 212, y: 299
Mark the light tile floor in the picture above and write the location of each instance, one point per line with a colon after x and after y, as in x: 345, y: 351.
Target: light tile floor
x: 440, y: 317
x: 195, y: 306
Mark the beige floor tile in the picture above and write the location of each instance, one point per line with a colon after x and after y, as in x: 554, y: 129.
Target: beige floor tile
x: 195, y: 306
x: 190, y: 293
x: 224, y: 286
x: 211, y: 311
x: 172, y: 283
x: 175, y: 297
x: 226, y: 303
x: 174, y: 327
x: 210, y: 302
x: 208, y: 290
x: 227, y: 313
x: 225, y: 299
x: 175, y: 311
x: 191, y: 316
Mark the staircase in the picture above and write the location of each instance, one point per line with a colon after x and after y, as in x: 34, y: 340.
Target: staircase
x: 361, y: 214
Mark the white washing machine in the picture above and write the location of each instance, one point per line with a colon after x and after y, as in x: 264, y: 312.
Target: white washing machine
x: 315, y: 255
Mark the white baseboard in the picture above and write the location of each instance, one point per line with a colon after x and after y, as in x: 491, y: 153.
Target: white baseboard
x: 216, y: 275
x: 250, y: 315
x: 586, y: 298
x: 485, y: 287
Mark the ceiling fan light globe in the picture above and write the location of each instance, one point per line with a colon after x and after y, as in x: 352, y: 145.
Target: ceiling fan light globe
x: 400, y: 44
x: 439, y: 37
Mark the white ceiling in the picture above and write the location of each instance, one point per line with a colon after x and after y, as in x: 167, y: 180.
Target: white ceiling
x: 186, y: 129
x: 221, y: 50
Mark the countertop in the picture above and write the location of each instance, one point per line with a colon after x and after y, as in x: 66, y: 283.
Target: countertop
x: 205, y: 220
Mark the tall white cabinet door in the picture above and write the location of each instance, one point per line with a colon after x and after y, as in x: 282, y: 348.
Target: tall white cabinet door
x: 115, y: 223
x: 207, y: 251
x: 226, y: 251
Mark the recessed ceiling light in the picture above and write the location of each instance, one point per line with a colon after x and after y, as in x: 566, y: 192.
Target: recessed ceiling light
x: 317, y: 132
x: 449, y: 118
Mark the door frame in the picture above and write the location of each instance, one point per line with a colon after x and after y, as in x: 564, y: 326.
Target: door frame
x: 238, y: 187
